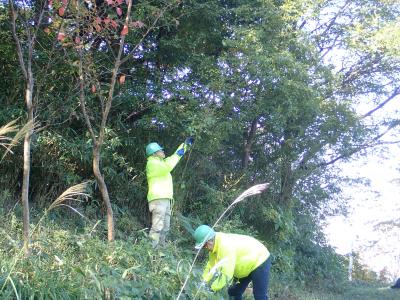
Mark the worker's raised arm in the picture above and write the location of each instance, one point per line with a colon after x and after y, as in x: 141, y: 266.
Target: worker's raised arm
x: 172, y: 161
x: 159, y: 167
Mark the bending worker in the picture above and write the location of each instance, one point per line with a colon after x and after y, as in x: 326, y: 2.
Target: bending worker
x: 234, y: 256
x: 160, y: 187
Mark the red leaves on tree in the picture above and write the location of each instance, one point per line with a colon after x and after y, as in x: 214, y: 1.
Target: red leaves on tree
x: 119, y: 11
x: 107, y: 21
x: 122, y: 79
x: 114, y: 24
x: 97, y: 24
x: 47, y: 30
x: 119, y: 2
x: 50, y: 2
x: 61, y: 11
x: 125, y: 30
x: 77, y: 40
x: 110, y: 2
x: 61, y: 36
x: 93, y: 89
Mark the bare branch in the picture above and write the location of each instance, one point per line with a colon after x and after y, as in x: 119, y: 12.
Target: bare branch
x: 395, y: 93
x: 149, y: 29
x: 17, y: 41
x: 82, y: 97
x: 358, y: 149
x: 393, y: 223
x: 117, y: 64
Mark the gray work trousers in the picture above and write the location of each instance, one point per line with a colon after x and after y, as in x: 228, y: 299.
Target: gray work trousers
x: 160, y: 220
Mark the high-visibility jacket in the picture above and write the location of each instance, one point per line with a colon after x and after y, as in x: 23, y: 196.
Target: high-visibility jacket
x: 233, y: 255
x: 158, y: 174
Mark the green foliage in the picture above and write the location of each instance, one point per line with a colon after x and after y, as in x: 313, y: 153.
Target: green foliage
x: 361, y: 272
x: 209, y: 69
x: 71, y: 265
x: 318, y: 267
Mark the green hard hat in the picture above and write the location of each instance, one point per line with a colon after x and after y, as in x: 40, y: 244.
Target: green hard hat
x: 202, y: 234
x: 152, y: 148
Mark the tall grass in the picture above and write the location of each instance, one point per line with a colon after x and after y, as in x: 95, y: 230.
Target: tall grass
x: 7, y: 142
x: 73, y: 193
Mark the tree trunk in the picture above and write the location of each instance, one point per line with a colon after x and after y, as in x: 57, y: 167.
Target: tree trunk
x: 287, y: 184
x: 103, y: 190
x: 26, y: 68
x: 27, y: 166
x: 249, y: 139
x: 287, y: 175
x: 99, y: 141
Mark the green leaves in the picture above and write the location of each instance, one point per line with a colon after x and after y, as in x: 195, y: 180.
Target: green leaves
x: 248, y: 79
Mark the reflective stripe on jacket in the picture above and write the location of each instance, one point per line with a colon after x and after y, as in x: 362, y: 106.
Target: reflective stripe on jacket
x: 159, y: 178
x: 234, y: 255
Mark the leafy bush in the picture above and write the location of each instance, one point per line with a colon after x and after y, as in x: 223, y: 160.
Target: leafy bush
x: 319, y: 267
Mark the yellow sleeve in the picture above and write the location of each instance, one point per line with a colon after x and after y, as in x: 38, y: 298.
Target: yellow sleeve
x: 227, y: 268
x: 171, y: 161
x: 219, y: 283
x: 207, y: 275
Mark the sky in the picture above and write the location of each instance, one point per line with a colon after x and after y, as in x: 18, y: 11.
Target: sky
x: 370, y: 205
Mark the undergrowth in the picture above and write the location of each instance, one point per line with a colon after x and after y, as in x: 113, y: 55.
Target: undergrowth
x: 71, y: 259
x: 66, y: 264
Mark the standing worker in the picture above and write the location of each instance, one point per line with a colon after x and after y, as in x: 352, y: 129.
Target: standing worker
x: 234, y: 256
x: 160, y: 187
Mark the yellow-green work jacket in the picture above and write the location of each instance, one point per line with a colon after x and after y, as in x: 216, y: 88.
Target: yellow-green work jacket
x: 159, y: 178
x: 234, y: 255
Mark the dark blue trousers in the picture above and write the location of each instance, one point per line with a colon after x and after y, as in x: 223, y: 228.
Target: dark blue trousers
x: 259, y: 277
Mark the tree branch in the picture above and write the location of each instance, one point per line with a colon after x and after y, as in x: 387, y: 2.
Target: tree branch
x: 358, y: 149
x: 391, y: 97
x: 145, y: 34
x: 249, y: 139
x: 118, y: 62
x: 17, y: 41
x: 135, y: 115
x: 82, y: 97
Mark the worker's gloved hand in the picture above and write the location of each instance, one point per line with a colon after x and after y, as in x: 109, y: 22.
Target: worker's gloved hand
x: 180, y: 152
x: 189, y: 141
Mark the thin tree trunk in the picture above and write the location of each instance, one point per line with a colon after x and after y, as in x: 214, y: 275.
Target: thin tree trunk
x: 26, y: 67
x: 287, y: 175
x: 249, y: 139
x: 27, y: 166
x: 287, y: 184
x: 98, y: 141
x: 104, y: 191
